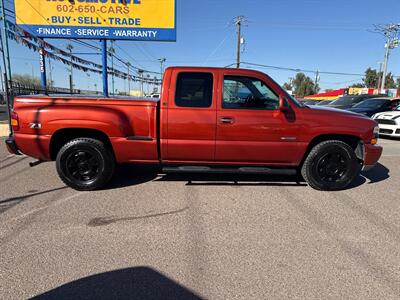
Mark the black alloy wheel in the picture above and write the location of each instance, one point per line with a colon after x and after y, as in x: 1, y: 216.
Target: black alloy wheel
x: 331, y: 165
x: 85, y: 164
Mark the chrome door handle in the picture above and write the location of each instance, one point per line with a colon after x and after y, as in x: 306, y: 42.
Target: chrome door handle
x: 226, y: 120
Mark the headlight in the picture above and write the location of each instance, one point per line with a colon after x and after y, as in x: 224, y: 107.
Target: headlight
x: 397, y: 119
x: 374, y: 140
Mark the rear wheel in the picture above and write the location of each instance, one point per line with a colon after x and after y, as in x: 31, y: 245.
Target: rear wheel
x: 331, y: 165
x: 85, y: 164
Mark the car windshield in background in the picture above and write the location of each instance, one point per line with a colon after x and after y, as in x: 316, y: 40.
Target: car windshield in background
x: 375, y: 103
x: 299, y: 103
x: 324, y: 102
x: 343, y: 100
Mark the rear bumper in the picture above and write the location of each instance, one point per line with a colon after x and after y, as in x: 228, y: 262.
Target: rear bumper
x: 12, y: 146
x: 371, y: 155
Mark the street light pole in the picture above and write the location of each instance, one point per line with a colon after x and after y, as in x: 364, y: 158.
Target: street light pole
x: 71, y: 80
x: 128, y: 65
x: 162, y: 61
x: 141, y: 82
x: 111, y: 51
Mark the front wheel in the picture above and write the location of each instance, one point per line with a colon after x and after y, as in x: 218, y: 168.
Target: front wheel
x: 85, y: 164
x: 330, y: 166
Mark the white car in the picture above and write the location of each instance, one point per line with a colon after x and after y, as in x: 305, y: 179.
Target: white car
x: 389, y: 122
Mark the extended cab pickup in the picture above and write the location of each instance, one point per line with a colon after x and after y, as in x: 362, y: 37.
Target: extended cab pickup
x: 206, y: 120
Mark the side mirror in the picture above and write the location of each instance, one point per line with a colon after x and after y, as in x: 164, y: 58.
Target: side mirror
x: 283, y: 105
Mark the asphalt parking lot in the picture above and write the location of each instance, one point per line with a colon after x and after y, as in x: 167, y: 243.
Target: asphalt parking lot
x: 150, y: 236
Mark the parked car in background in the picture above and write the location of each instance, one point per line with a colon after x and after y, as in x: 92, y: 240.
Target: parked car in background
x: 324, y: 102
x: 389, y: 122
x: 155, y: 95
x: 370, y: 107
x: 308, y: 102
x: 349, y: 101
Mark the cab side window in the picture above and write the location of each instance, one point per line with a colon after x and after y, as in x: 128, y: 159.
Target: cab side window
x: 194, y: 89
x: 248, y: 93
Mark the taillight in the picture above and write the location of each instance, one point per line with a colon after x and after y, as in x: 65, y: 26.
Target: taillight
x: 14, y: 121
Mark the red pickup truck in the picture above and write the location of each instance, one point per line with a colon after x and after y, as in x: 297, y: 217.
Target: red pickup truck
x: 207, y: 120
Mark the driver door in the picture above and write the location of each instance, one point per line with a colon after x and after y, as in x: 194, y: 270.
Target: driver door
x: 250, y: 127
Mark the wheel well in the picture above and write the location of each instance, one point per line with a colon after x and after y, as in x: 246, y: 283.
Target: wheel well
x: 63, y: 136
x: 351, y: 140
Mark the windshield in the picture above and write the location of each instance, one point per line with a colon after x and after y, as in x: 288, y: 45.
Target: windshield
x: 397, y: 108
x: 324, y: 102
x: 343, y: 100
x: 376, y: 103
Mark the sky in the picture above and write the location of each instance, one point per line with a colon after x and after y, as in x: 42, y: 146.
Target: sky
x: 324, y: 35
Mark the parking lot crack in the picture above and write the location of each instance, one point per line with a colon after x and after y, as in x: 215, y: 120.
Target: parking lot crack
x: 103, y: 221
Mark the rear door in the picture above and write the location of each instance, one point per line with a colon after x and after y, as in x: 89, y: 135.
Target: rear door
x: 250, y: 127
x: 191, y: 116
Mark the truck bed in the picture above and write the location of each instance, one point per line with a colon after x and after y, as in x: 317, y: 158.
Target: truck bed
x: 128, y: 122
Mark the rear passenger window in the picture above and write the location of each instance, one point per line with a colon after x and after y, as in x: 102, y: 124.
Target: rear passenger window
x: 194, y: 90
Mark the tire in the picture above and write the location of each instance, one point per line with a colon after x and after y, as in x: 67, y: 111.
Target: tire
x: 85, y: 164
x: 330, y: 166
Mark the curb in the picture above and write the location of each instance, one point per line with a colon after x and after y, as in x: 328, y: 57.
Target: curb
x: 4, y: 130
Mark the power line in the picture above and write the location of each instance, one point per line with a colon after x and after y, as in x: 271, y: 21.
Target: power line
x: 216, y: 48
x: 128, y: 55
x: 301, y: 70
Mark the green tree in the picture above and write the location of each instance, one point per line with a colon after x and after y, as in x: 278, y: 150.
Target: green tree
x: 287, y: 86
x: 26, y: 79
x: 303, y: 85
x: 358, y: 85
x: 390, y: 83
x: 398, y: 82
x: 371, y: 79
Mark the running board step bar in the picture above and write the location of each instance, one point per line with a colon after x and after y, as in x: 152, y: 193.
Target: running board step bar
x: 229, y: 170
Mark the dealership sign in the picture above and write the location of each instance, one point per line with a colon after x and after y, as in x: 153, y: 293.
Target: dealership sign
x: 145, y: 20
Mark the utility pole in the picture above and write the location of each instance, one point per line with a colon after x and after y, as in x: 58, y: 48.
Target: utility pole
x: 162, y: 61
x: 239, y: 22
x: 317, y: 77
x: 71, y: 80
x: 379, y: 75
x: 391, y: 33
